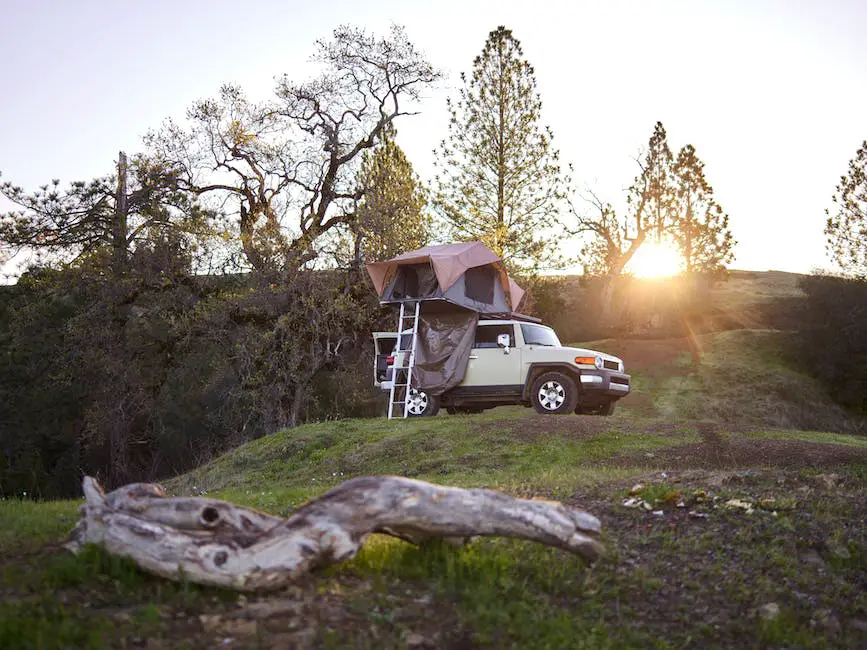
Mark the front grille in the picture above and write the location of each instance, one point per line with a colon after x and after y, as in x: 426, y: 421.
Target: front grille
x: 611, y: 365
x: 620, y: 380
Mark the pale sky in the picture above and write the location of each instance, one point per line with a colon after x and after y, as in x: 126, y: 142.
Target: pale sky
x: 773, y: 94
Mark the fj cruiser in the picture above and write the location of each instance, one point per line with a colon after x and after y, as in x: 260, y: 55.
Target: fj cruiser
x: 517, y: 362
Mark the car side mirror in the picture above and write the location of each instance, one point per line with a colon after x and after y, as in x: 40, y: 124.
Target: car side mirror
x: 503, y: 341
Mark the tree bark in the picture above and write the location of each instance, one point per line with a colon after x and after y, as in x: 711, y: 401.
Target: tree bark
x: 220, y: 544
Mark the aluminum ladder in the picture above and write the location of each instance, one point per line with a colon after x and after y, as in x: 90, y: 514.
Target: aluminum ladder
x: 401, y: 375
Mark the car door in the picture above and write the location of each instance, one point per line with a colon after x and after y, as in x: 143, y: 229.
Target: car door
x: 489, y: 364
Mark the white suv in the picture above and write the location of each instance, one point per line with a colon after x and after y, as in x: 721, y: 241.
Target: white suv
x: 517, y: 362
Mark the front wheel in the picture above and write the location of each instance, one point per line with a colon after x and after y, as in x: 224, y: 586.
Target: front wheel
x: 605, y: 408
x: 554, y: 393
x: 420, y: 404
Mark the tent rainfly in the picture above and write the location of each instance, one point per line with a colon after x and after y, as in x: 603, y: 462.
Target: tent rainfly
x: 468, y: 275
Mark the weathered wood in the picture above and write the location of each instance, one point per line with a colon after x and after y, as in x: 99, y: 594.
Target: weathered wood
x: 217, y: 543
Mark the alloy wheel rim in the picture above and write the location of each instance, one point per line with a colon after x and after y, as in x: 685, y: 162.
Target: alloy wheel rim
x: 552, y: 395
x: 417, y: 402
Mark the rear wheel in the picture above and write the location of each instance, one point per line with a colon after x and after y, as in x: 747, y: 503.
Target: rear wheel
x: 420, y: 404
x: 554, y: 393
x: 463, y: 410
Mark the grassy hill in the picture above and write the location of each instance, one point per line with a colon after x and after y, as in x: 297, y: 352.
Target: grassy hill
x: 753, y: 532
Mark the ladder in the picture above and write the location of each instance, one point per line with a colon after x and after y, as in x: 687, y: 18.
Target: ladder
x: 401, y: 374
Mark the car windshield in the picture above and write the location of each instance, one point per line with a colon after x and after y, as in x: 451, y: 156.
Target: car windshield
x: 539, y: 335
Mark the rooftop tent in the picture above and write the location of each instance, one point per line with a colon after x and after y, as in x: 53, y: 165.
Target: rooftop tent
x: 455, y: 283
x: 468, y: 275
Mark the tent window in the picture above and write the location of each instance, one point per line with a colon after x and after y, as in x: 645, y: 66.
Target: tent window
x: 406, y: 285
x: 479, y: 284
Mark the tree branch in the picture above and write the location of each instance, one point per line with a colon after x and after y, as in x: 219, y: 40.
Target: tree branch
x: 220, y: 544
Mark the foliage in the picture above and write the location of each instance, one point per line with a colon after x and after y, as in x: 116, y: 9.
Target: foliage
x: 614, y: 239
x: 846, y: 228
x: 391, y: 217
x: 148, y: 376
x: 88, y: 217
x: 670, y: 201
x: 700, y: 227
x: 832, y: 336
x: 499, y: 177
x: 287, y: 167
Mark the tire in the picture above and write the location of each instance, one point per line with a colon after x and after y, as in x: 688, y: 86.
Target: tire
x: 607, y: 408
x: 421, y: 404
x: 463, y: 410
x: 554, y: 393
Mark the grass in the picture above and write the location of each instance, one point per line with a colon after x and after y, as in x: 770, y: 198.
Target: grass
x: 693, y: 571
x: 668, y: 580
x: 35, y: 523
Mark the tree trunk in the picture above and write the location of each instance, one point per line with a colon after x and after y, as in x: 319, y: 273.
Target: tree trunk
x: 223, y: 545
x: 120, y: 227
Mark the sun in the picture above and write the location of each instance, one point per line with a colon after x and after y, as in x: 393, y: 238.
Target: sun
x: 655, y: 260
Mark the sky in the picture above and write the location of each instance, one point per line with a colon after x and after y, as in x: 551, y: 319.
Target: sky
x: 772, y: 94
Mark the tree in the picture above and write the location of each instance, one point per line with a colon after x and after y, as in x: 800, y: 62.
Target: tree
x: 390, y: 219
x: 700, y: 227
x: 113, y: 213
x: 296, y: 154
x: 614, y: 239
x: 499, y: 177
x: 846, y: 227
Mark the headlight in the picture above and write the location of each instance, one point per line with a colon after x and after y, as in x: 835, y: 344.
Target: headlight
x: 598, y: 362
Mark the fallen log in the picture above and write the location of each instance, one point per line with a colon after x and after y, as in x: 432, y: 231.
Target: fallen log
x: 220, y: 544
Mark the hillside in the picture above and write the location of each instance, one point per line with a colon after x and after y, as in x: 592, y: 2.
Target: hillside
x: 730, y: 493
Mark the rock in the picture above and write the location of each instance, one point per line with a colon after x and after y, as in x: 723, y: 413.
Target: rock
x: 210, y: 621
x: 658, y: 513
x: 830, y: 481
x: 698, y: 515
x: 632, y: 503
x: 769, y: 611
x: 269, y: 608
x: 812, y: 557
x: 840, y: 552
x: 738, y: 503
x: 858, y: 624
x: 414, y: 640
x: 638, y: 487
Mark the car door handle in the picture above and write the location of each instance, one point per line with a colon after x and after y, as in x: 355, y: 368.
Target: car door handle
x: 474, y: 356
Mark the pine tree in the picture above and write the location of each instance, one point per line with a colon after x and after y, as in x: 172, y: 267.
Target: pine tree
x: 846, y: 229
x: 700, y: 229
x: 390, y: 219
x: 499, y: 178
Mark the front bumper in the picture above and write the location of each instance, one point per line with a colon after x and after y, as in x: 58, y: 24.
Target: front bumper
x: 605, y: 382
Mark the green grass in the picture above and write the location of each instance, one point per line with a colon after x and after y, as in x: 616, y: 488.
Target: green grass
x: 487, y: 450
x: 33, y: 523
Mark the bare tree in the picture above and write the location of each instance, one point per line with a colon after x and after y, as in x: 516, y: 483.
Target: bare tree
x: 286, y: 167
x: 614, y: 239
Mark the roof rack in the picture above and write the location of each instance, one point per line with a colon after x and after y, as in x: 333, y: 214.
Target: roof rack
x: 510, y: 316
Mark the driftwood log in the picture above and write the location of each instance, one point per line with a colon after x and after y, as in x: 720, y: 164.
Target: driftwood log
x: 216, y: 543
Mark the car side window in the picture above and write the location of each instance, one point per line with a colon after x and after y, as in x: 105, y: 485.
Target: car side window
x: 486, y: 335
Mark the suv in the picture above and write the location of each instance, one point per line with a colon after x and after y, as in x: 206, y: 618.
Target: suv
x: 516, y: 362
